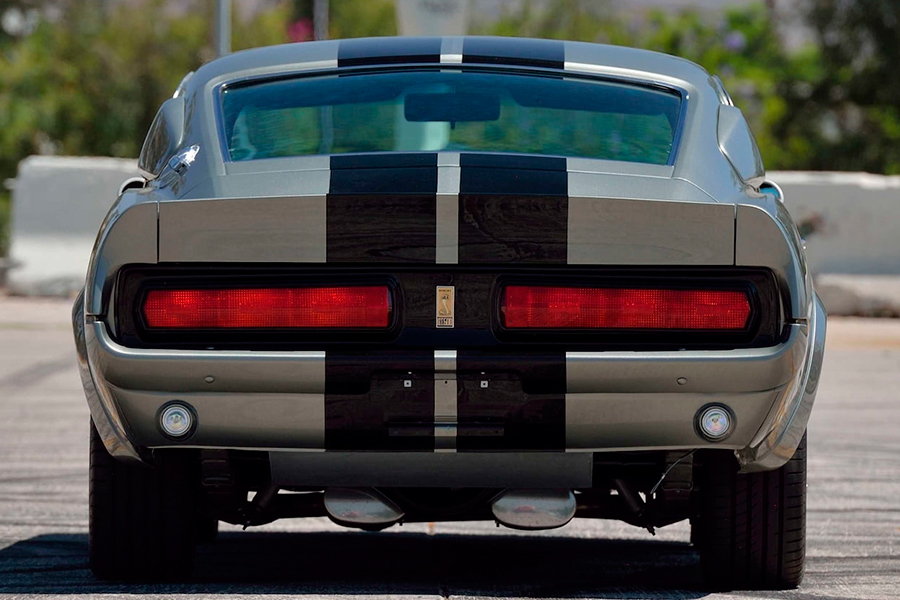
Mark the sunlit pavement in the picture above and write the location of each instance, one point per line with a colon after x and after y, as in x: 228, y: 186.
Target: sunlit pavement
x: 854, y: 504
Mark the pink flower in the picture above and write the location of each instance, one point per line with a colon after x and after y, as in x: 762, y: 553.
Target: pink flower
x: 301, y: 31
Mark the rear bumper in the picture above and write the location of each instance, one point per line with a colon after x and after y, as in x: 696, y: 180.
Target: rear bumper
x: 614, y: 400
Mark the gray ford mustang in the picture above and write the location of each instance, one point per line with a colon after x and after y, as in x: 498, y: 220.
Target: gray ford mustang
x: 431, y: 279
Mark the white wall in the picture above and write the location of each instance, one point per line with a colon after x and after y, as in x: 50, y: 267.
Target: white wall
x: 58, y: 205
x: 856, y: 216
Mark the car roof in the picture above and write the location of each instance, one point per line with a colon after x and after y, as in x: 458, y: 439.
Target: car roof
x: 484, y: 50
x: 706, y: 168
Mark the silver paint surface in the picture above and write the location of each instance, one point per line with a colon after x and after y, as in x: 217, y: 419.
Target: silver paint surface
x: 663, y: 421
x: 609, y: 231
x: 445, y: 401
x: 706, y: 371
x: 447, y: 208
x: 243, y: 230
x: 230, y: 419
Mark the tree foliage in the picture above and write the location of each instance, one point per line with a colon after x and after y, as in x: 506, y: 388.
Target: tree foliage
x: 829, y: 106
x: 87, y: 77
x: 847, y: 107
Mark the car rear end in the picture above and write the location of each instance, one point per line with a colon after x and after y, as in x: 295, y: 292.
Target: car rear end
x: 409, y: 313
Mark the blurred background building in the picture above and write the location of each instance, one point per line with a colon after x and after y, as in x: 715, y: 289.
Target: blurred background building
x: 818, y: 79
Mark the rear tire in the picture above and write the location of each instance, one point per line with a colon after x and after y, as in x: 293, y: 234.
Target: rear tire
x: 207, y: 528
x: 751, y: 528
x: 142, y: 520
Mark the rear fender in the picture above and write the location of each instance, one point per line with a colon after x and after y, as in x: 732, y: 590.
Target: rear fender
x: 128, y: 235
x: 766, y: 236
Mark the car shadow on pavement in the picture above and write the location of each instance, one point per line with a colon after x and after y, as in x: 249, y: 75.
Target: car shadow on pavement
x: 362, y: 563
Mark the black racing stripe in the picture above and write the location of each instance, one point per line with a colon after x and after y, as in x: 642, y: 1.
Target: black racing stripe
x: 381, y: 51
x: 380, y: 229
x: 500, y: 229
x: 367, y: 406
x: 381, y: 208
x: 513, y: 175
x: 513, y: 161
x: 383, y: 160
x: 513, y: 209
x: 523, y: 407
x: 514, y: 51
x: 395, y: 174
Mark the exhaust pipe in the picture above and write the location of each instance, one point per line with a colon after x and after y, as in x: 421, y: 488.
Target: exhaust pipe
x: 361, y: 507
x: 534, y: 509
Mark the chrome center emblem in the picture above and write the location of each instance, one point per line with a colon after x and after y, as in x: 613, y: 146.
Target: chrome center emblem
x: 444, y: 313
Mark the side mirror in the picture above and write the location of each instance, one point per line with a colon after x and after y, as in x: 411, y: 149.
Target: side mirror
x: 178, y: 166
x: 164, y: 138
x: 773, y: 189
x: 132, y: 183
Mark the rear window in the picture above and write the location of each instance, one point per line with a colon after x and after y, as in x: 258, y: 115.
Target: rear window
x: 450, y: 110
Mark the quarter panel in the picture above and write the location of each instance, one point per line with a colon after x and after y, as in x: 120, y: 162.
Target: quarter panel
x: 127, y: 236
x: 645, y: 232
x: 288, y: 229
x: 772, y: 240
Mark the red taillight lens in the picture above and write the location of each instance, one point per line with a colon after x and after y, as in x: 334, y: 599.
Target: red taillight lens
x: 274, y: 308
x: 532, y: 307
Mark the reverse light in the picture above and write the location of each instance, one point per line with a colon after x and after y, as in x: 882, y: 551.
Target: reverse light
x: 350, y: 307
x: 545, y: 307
x: 176, y: 420
x: 715, y: 422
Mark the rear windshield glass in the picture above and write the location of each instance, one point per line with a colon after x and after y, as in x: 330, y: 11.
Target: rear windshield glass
x: 456, y: 110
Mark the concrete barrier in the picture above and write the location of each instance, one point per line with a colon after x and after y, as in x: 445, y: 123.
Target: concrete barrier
x: 851, y: 220
x: 851, y: 223
x: 58, y: 205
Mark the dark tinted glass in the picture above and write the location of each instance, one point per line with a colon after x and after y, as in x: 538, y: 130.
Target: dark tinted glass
x: 432, y: 110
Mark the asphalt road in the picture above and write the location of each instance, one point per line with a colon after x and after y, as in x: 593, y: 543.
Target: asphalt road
x: 853, y: 527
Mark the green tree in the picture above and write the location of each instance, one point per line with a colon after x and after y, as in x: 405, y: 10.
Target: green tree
x: 91, y: 81
x: 353, y: 18
x: 578, y: 20
x: 829, y: 106
x: 846, y: 108
x: 740, y: 46
x: 362, y: 18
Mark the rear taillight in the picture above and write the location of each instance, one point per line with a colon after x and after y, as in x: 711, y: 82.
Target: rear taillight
x: 541, y: 307
x: 353, y: 307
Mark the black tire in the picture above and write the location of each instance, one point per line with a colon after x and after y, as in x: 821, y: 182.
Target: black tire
x: 207, y: 528
x: 142, y: 519
x: 751, y: 529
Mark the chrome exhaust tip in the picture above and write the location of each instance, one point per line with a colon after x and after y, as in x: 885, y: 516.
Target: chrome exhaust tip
x: 534, y: 509
x: 361, y: 507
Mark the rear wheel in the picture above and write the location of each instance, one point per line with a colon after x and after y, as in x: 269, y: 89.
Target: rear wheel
x: 751, y: 528
x: 143, y: 521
